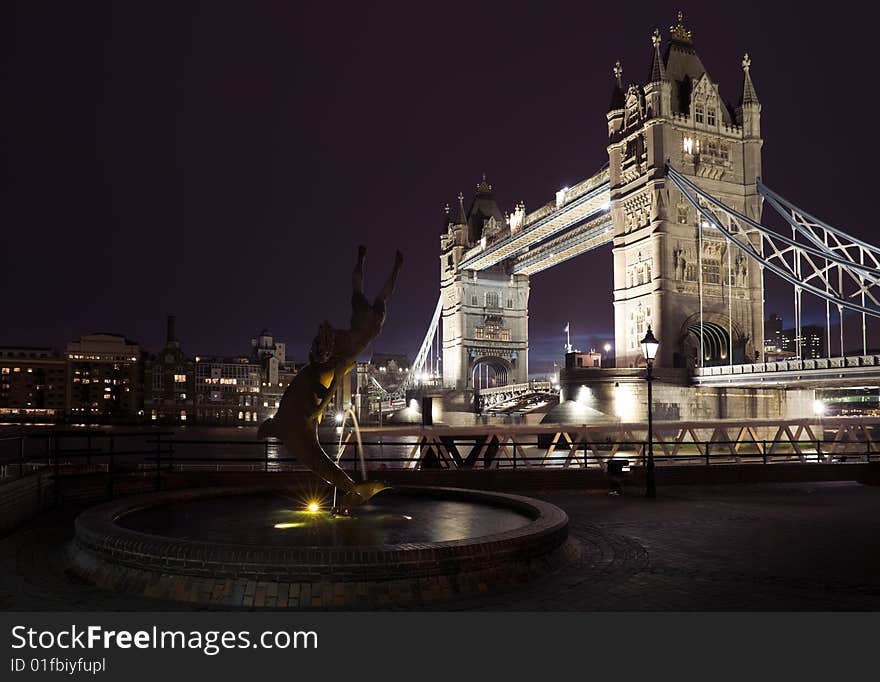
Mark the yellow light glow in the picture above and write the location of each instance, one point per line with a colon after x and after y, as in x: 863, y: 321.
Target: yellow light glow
x: 282, y: 526
x: 314, y: 506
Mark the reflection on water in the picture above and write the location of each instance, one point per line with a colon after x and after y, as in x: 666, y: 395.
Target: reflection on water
x: 278, y: 519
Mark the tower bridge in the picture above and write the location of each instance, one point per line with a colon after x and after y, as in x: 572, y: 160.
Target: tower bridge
x: 680, y: 201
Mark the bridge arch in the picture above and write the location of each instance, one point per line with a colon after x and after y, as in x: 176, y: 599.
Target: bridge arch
x: 490, y: 371
x: 716, y: 342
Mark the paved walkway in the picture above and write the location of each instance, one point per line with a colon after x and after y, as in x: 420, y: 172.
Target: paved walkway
x: 772, y: 547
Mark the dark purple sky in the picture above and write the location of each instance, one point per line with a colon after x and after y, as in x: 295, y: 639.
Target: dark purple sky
x: 222, y: 160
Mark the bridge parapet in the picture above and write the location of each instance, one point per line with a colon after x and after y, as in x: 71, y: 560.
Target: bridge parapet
x: 794, y: 373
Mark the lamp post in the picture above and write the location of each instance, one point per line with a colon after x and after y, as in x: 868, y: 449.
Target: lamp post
x: 649, y: 350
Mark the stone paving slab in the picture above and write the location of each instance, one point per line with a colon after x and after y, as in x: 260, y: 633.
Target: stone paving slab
x: 770, y: 547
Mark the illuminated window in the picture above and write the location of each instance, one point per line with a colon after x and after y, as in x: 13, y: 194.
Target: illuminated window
x: 711, y: 271
x: 17, y: 369
x: 5, y: 370
x: 180, y: 378
x: 183, y: 415
x: 688, y: 145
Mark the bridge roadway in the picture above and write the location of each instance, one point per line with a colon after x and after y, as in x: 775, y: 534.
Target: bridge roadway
x: 848, y: 371
x: 578, y: 221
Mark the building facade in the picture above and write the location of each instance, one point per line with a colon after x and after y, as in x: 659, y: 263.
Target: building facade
x: 104, y: 379
x: 275, y: 372
x: 673, y: 271
x: 227, y: 391
x: 169, y: 382
x: 33, y: 384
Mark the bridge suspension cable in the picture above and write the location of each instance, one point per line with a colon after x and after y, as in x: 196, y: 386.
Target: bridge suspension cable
x: 429, y: 351
x: 833, y: 266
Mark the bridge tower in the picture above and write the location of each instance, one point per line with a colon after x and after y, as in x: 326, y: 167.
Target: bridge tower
x: 672, y: 270
x: 485, y: 313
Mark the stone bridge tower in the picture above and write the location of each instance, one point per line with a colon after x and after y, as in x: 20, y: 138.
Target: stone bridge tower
x: 672, y: 271
x: 485, y: 313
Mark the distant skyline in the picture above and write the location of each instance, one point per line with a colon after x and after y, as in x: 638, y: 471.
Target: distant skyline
x: 221, y: 162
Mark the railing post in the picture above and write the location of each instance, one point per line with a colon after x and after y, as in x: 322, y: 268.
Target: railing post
x: 818, y: 451
x: 707, y: 453
x: 764, y: 452
x: 158, y: 461
x: 110, y: 470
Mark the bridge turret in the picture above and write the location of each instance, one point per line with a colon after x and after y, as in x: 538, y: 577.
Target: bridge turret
x: 615, y: 109
x: 749, y: 117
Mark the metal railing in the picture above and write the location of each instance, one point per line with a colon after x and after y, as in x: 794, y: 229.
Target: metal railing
x: 115, y: 457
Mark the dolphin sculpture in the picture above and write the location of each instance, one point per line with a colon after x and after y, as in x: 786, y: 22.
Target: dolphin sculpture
x: 332, y: 357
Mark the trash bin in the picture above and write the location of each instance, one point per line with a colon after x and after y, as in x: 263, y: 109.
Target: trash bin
x: 614, y: 470
x: 616, y: 466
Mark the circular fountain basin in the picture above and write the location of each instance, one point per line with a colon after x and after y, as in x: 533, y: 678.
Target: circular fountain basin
x: 263, y: 547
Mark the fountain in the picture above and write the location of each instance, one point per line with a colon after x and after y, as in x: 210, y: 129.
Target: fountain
x: 264, y: 546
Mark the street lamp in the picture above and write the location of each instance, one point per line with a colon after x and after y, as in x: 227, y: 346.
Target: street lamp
x: 649, y: 350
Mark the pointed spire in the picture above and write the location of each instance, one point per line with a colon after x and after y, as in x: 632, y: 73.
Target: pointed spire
x: 462, y: 214
x: 484, y: 187
x: 749, y: 94
x: 617, y: 98
x: 658, y: 71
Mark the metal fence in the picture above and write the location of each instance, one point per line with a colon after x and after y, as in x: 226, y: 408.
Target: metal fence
x: 113, y: 457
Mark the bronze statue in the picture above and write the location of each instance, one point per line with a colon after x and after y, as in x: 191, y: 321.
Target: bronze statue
x: 333, y: 355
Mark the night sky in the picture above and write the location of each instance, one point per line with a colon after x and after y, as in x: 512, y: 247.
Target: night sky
x: 221, y: 161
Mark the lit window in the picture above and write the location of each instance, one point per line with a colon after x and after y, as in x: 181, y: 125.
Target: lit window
x: 5, y: 370
x: 688, y: 145
x: 17, y: 369
x: 180, y: 378
x: 183, y: 415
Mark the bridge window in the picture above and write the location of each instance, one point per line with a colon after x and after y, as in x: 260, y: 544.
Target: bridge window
x: 474, y: 299
x: 712, y: 271
x: 688, y: 145
x: 711, y: 117
x: 510, y: 303
x: 698, y: 113
x: 492, y: 299
x: 491, y: 332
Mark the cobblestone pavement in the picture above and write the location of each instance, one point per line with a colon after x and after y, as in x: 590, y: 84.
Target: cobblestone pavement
x: 771, y: 547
